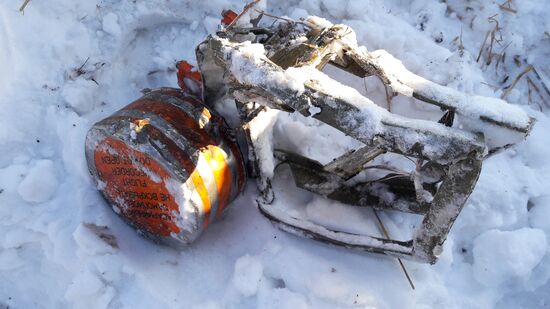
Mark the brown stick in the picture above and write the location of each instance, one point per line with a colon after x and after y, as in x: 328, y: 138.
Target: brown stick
x: 383, y: 228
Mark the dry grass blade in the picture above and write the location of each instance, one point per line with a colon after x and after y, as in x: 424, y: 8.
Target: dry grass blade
x: 282, y: 18
x: 515, y: 81
x: 383, y: 228
x: 531, y: 85
x: 529, y: 96
x: 482, y: 46
x: 541, y: 81
x: 461, y: 43
x: 496, y: 37
x: 23, y: 6
x: 490, y: 86
x: 491, y: 45
x: 507, y: 6
x: 508, y: 9
x: 501, y: 56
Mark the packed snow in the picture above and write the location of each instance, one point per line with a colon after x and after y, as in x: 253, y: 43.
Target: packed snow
x: 68, y: 64
x: 40, y: 182
x: 523, y: 248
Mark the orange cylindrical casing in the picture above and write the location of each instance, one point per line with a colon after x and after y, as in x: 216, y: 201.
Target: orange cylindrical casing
x: 166, y: 164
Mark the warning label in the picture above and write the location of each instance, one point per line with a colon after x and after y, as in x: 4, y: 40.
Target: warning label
x: 126, y: 174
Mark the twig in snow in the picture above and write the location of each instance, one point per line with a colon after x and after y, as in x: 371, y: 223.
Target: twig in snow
x: 472, y: 22
x: 482, y: 46
x: 529, y: 97
x: 383, y: 228
x: 23, y: 6
x: 497, y: 28
x: 507, y: 6
x: 496, y: 36
x: 501, y: 56
x: 283, y: 18
x: 496, y: 150
x: 491, y: 86
x: 515, y: 81
x: 531, y: 84
x: 490, y: 57
x: 541, y: 81
x: 79, y: 70
x: 517, y: 61
x: 103, y: 233
x: 460, y: 44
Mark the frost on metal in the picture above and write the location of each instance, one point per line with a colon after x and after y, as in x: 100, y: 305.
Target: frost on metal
x: 280, y: 68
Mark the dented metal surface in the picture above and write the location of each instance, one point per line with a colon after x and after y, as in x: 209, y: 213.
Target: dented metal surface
x: 166, y: 164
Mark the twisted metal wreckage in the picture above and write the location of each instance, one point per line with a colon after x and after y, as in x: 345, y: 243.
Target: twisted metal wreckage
x: 279, y: 67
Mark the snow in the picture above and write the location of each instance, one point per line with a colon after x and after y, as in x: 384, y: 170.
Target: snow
x: 261, y: 132
x: 283, y: 298
x: 40, y: 184
x: 88, y: 291
x: 248, y: 275
x: 110, y: 24
x: 52, y: 255
x: 476, y: 106
x: 79, y: 94
x: 246, y: 60
x: 519, y: 252
x: 87, y: 238
x: 540, y: 212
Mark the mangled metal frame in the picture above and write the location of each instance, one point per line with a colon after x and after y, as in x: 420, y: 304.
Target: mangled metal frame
x: 443, y: 179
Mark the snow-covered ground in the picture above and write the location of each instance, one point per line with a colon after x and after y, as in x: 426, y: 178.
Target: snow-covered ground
x: 66, y: 64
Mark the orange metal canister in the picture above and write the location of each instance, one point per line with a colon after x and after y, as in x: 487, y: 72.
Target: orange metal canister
x: 166, y: 164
